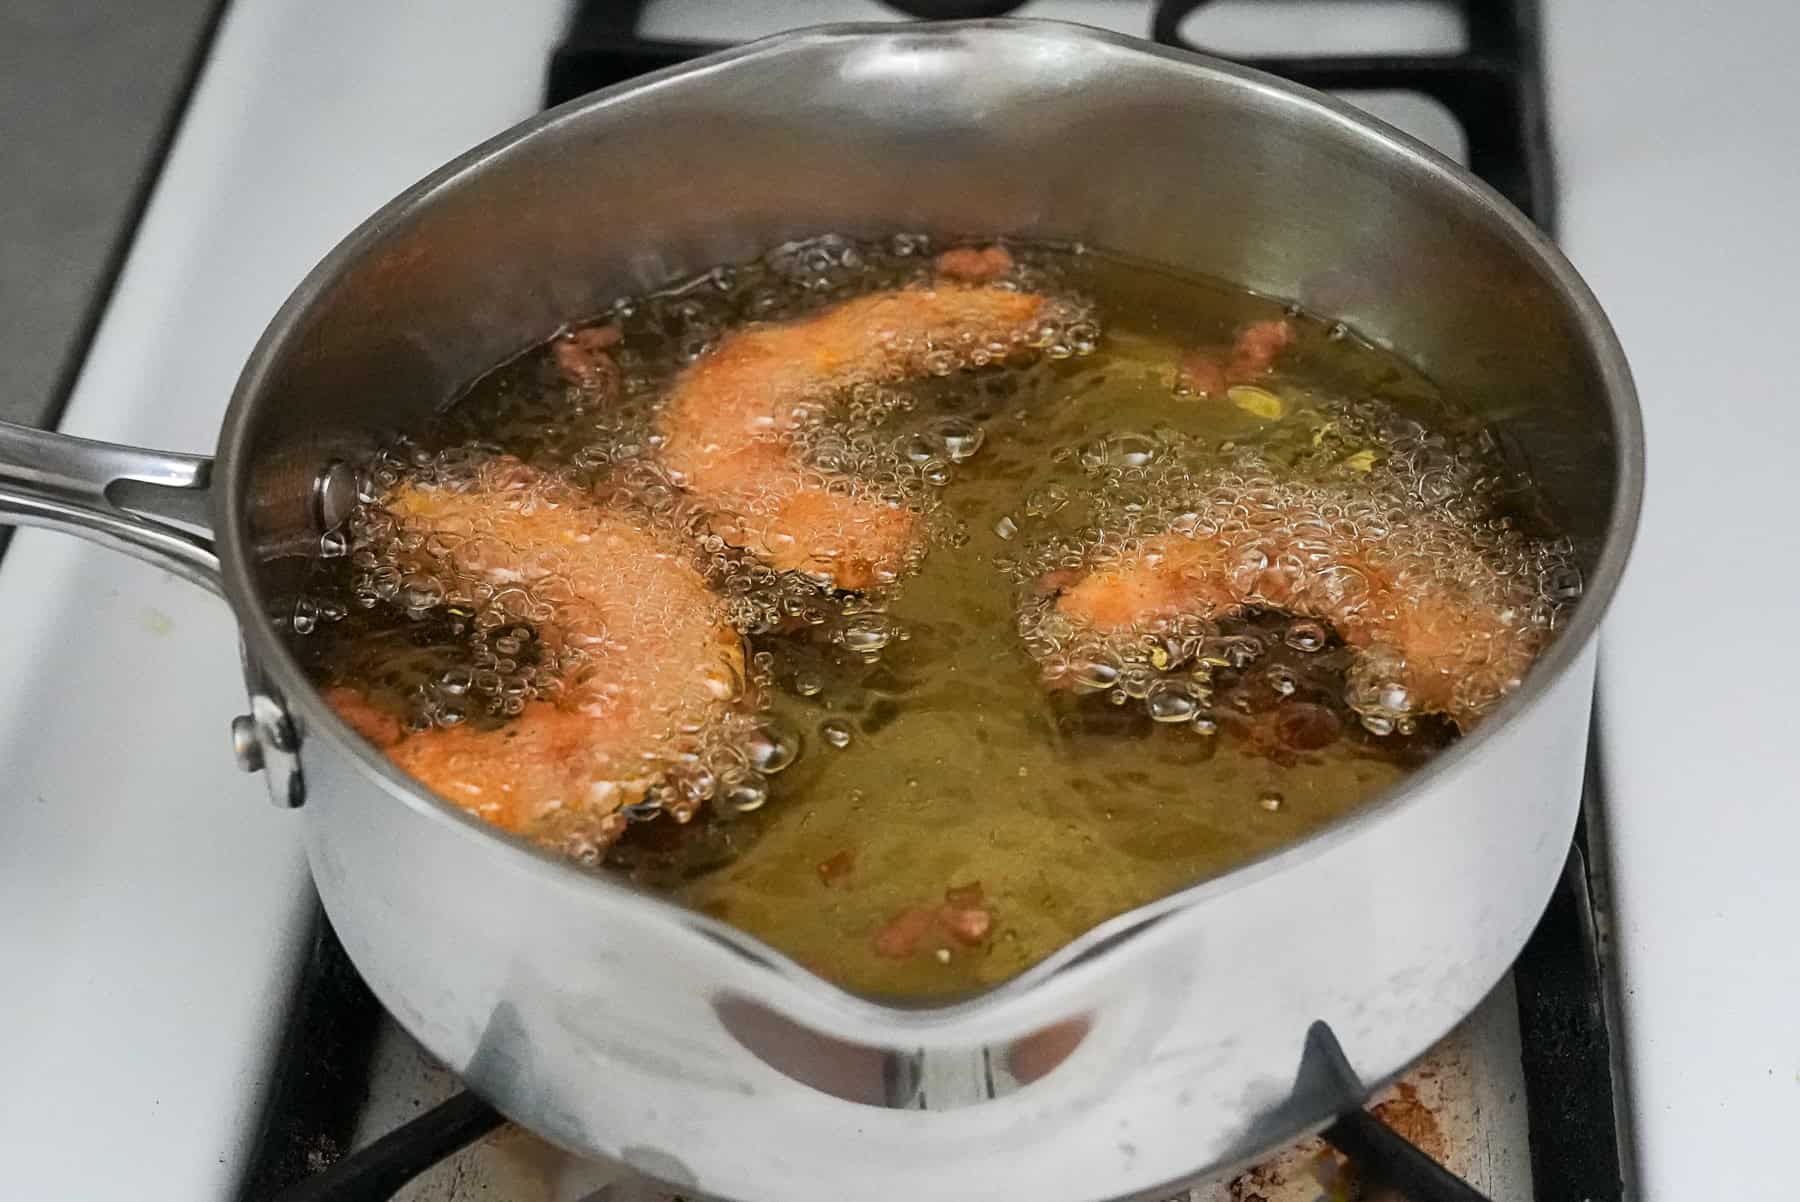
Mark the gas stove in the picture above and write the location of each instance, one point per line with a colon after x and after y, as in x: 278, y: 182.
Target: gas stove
x: 181, y: 999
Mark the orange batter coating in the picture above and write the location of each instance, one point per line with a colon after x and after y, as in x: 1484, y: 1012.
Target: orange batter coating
x: 1208, y: 372
x: 1452, y: 651
x: 646, y: 647
x: 729, y: 417
x: 974, y: 264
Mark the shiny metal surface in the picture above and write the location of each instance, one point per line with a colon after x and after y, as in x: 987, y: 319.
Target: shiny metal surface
x: 1159, y: 1047
x: 246, y: 748
x: 277, y: 754
x: 149, y: 504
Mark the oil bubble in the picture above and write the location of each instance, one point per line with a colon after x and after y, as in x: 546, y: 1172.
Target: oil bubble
x: 772, y: 748
x: 1169, y: 702
x: 867, y: 634
x: 1044, y: 501
x: 1305, y: 635
x: 742, y: 792
x: 960, y: 439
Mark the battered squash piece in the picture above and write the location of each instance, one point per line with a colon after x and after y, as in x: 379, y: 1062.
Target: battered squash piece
x: 1451, y: 650
x: 729, y: 417
x: 647, y: 649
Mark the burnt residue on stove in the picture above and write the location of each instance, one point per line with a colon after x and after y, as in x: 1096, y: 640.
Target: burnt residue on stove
x: 1429, y: 1107
x: 1413, y: 1119
x: 321, y: 1074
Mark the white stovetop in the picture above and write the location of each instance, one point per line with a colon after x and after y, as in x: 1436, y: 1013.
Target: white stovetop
x: 151, y: 902
x: 1678, y: 137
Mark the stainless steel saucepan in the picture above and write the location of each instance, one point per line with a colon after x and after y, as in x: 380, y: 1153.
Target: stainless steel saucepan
x: 1160, y: 1047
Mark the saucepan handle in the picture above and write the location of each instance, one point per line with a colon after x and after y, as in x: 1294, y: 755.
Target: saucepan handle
x: 151, y: 504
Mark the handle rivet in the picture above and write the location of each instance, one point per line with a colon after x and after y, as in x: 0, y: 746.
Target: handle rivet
x: 334, y: 495
x: 245, y: 745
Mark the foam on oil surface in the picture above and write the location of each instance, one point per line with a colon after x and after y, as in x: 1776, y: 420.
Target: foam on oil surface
x: 1355, y: 515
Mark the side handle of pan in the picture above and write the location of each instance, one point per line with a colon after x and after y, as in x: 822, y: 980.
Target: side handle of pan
x: 158, y: 507
x: 153, y: 505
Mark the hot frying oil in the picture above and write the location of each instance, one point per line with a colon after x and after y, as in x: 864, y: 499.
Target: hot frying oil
x: 976, y: 785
